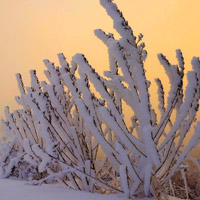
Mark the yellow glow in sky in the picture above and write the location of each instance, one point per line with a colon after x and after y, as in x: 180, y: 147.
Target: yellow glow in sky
x: 32, y: 30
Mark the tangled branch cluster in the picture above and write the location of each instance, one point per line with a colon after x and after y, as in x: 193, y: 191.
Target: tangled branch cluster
x: 64, y: 124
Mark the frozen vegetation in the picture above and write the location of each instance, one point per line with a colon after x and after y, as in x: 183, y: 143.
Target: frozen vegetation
x: 64, y: 124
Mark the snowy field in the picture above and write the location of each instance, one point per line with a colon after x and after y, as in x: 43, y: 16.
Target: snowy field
x: 22, y: 190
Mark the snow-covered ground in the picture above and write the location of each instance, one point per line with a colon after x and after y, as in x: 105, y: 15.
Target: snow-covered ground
x: 21, y: 190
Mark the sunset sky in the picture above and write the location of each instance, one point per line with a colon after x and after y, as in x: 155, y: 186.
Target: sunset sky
x: 33, y: 30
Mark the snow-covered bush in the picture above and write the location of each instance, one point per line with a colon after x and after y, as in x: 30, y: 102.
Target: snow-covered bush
x: 65, y: 124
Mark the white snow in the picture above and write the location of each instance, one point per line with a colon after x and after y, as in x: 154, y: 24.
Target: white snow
x: 22, y: 190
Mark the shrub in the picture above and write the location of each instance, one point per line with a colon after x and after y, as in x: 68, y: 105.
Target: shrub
x: 64, y: 124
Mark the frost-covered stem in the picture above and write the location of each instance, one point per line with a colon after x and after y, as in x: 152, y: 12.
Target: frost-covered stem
x: 120, y: 24
x: 158, y: 131
x: 192, y: 144
x: 110, y: 121
x: 130, y: 40
x: 71, y: 169
x: 185, y: 182
x: 181, y: 64
x: 100, y: 86
x: 171, y: 187
x: 190, y: 91
x: 170, y: 155
x: 12, y: 164
x: 161, y: 96
x: 107, y: 148
x: 176, y: 85
x: 193, y: 102
x: 124, y: 180
x: 9, y: 149
x: 116, y: 52
x: 11, y: 124
x: 120, y: 57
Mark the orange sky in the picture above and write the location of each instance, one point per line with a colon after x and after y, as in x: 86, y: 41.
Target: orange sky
x: 32, y: 30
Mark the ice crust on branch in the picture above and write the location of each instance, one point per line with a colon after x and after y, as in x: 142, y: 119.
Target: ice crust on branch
x: 66, y: 122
